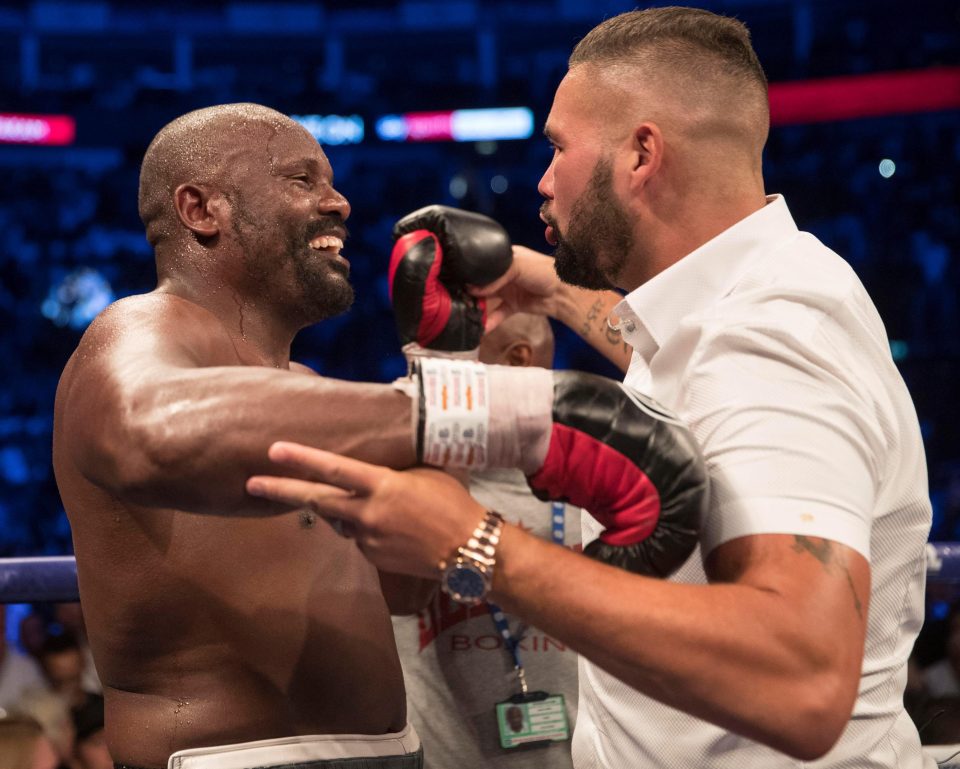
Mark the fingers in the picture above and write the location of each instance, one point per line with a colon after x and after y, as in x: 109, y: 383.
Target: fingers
x: 327, y: 467
x: 328, y: 501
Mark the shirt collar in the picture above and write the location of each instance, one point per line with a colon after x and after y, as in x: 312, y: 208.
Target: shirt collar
x: 648, y: 315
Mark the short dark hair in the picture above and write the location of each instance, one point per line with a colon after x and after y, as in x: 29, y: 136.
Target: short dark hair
x: 683, y: 38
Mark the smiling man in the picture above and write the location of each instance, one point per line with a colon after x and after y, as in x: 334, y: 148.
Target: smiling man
x: 215, y: 620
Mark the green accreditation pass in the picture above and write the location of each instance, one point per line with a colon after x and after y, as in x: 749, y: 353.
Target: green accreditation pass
x: 531, y: 719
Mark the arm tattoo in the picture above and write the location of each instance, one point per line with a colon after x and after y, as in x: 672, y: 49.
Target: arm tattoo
x: 614, y: 337
x: 822, y: 550
x: 592, y: 315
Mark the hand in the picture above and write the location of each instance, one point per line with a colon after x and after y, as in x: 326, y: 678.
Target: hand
x: 404, y: 522
x: 529, y: 285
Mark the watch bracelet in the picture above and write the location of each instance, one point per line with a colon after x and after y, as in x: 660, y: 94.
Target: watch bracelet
x: 483, y: 542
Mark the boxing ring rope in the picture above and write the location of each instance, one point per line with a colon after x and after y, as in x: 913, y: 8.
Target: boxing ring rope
x: 54, y: 578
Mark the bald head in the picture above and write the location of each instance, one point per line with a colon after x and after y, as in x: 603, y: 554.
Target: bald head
x: 197, y: 148
x: 686, y: 68
x: 521, y: 340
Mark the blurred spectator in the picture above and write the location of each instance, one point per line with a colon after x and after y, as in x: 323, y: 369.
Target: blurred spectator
x: 942, y: 678
x: 62, y: 662
x: 945, y: 496
x: 23, y: 745
x: 91, y: 749
x: 18, y: 672
x: 32, y: 633
x: 50, y: 710
x: 939, y: 721
x: 70, y: 618
x: 934, y: 313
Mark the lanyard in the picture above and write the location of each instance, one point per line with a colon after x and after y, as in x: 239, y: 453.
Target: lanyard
x: 511, y: 644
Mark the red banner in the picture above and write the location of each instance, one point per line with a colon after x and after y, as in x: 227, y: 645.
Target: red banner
x: 857, y: 96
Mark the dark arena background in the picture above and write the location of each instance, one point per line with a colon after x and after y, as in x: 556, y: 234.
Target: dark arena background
x: 432, y: 101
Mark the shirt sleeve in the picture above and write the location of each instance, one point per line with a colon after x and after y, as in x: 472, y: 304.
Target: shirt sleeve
x: 791, y: 444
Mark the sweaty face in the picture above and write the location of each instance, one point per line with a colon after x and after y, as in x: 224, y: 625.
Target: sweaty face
x: 289, y: 222
x: 594, y: 246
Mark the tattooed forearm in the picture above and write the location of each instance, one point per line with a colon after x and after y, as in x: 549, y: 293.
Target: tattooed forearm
x: 823, y: 551
x: 592, y: 314
x: 596, y: 315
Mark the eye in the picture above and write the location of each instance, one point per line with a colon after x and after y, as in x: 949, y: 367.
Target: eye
x: 302, y: 179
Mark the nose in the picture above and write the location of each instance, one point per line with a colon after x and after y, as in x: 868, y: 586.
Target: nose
x: 334, y: 202
x: 545, y: 186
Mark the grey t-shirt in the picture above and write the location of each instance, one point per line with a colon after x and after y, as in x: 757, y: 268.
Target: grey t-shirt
x: 456, y: 668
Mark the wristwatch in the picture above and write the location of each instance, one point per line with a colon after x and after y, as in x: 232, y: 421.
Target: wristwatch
x: 467, y: 576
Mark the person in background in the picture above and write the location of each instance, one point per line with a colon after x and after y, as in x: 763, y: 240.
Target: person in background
x: 32, y: 632
x: 51, y: 711
x: 70, y: 617
x: 457, y: 666
x: 91, y: 750
x: 23, y: 745
x: 62, y: 662
x: 18, y: 672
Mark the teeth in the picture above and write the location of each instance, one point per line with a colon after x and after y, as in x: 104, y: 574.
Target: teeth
x: 324, y: 242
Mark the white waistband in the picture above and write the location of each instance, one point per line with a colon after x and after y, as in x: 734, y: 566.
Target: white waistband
x: 291, y: 750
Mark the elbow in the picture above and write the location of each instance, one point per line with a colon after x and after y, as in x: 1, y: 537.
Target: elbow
x: 819, y: 716
x: 132, y: 459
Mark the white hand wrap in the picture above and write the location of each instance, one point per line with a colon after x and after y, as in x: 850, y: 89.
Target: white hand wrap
x: 475, y: 416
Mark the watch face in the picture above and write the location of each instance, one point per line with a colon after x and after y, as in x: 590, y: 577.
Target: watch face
x: 464, y: 582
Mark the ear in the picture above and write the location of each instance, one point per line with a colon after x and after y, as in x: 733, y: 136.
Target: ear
x: 518, y: 354
x: 193, y: 204
x: 648, y: 149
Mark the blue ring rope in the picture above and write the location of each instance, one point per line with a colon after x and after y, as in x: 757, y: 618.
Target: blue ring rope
x: 54, y: 578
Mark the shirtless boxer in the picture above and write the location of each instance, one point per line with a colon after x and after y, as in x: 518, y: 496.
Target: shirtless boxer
x: 215, y: 618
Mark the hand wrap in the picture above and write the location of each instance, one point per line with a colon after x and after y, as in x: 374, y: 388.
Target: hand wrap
x: 579, y: 438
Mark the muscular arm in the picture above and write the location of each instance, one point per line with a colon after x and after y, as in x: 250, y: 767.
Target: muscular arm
x: 770, y: 650
x: 153, y: 409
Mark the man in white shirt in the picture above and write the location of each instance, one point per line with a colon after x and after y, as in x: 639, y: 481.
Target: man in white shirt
x: 783, y: 642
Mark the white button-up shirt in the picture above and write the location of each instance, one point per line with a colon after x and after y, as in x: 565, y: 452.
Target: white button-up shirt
x: 766, y: 343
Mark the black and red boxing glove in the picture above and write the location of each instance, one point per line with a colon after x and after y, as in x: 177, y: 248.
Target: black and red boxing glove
x: 633, y: 465
x: 437, y: 252
x: 579, y: 438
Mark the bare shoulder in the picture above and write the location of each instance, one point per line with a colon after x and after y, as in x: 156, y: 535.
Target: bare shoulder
x: 136, y: 337
x: 156, y: 327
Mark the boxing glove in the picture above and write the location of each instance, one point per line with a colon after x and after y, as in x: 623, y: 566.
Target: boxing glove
x: 578, y: 438
x: 437, y: 252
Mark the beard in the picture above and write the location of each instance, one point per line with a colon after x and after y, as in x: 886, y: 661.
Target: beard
x: 599, y: 226
x: 324, y: 283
